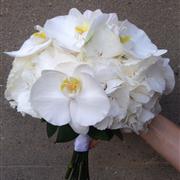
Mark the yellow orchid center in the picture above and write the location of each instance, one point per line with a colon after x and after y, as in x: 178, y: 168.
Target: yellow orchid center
x: 71, y: 85
x: 125, y: 38
x: 41, y: 35
x: 84, y: 27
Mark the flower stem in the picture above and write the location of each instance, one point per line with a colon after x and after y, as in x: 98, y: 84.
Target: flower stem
x: 78, y: 168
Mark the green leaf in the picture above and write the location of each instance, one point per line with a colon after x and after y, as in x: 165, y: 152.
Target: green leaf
x: 51, y: 129
x: 43, y: 120
x: 65, y: 134
x: 106, y: 134
x: 118, y: 133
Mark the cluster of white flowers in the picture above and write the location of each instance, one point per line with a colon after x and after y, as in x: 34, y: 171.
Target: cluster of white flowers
x: 89, y: 69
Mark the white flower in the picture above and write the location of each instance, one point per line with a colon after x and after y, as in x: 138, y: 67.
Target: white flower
x: 134, y: 105
x: 107, y: 73
x: 104, y: 43
x: 89, y: 70
x: 78, y: 99
x: 137, y: 121
x: 50, y: 58
x: 75, y: 29
x: 26, y: 71
x: 119, y: 101
x: 141, y: 93
x: 160, y: 76
x: 136, y: 42
x: 36, y: 43
x: 153, y: 104
x: 20, y: 81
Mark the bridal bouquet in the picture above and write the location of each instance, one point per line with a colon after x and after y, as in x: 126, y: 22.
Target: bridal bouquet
x: 88, y: 76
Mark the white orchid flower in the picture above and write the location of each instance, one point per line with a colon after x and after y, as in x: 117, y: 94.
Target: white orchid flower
x: 77, y: 99
x: 36, y: 43
x: 75, y: 29
x: 136, y: 42
x: 104, y: 44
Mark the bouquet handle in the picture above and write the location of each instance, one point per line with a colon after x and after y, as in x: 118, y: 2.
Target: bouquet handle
x: 78, y: 168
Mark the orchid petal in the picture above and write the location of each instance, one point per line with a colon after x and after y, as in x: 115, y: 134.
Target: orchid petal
x: 139, y: 45
x: 91, y: 105
x: 97, y: 23
x: 48, y: 100
x: 62, y: 30
x: 78, y: 128
x: 104, y: 43
x: 29, y: 48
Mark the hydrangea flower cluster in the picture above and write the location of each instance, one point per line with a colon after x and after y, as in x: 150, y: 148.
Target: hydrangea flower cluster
x: 87, y: 70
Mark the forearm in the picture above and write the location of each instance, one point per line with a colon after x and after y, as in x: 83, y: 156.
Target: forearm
x: 164, y: 137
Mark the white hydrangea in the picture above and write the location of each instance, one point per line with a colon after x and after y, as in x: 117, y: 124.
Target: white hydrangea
x: 89, y: 69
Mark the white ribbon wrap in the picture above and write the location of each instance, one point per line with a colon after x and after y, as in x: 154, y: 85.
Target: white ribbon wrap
x: 81, y: 143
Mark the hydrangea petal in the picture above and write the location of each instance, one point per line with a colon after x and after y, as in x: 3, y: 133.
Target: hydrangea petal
x: 168, y: 75
x: 67, y: 67
x: 112, y: 85
x: 141, y: 94
x: 121, y: 96
x: 160, y: 76
x: 84, y: 68
x: 145, y: 116
x: 106, y: 123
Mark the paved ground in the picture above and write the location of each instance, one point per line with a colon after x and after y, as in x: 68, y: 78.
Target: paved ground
x: 26, y: 153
